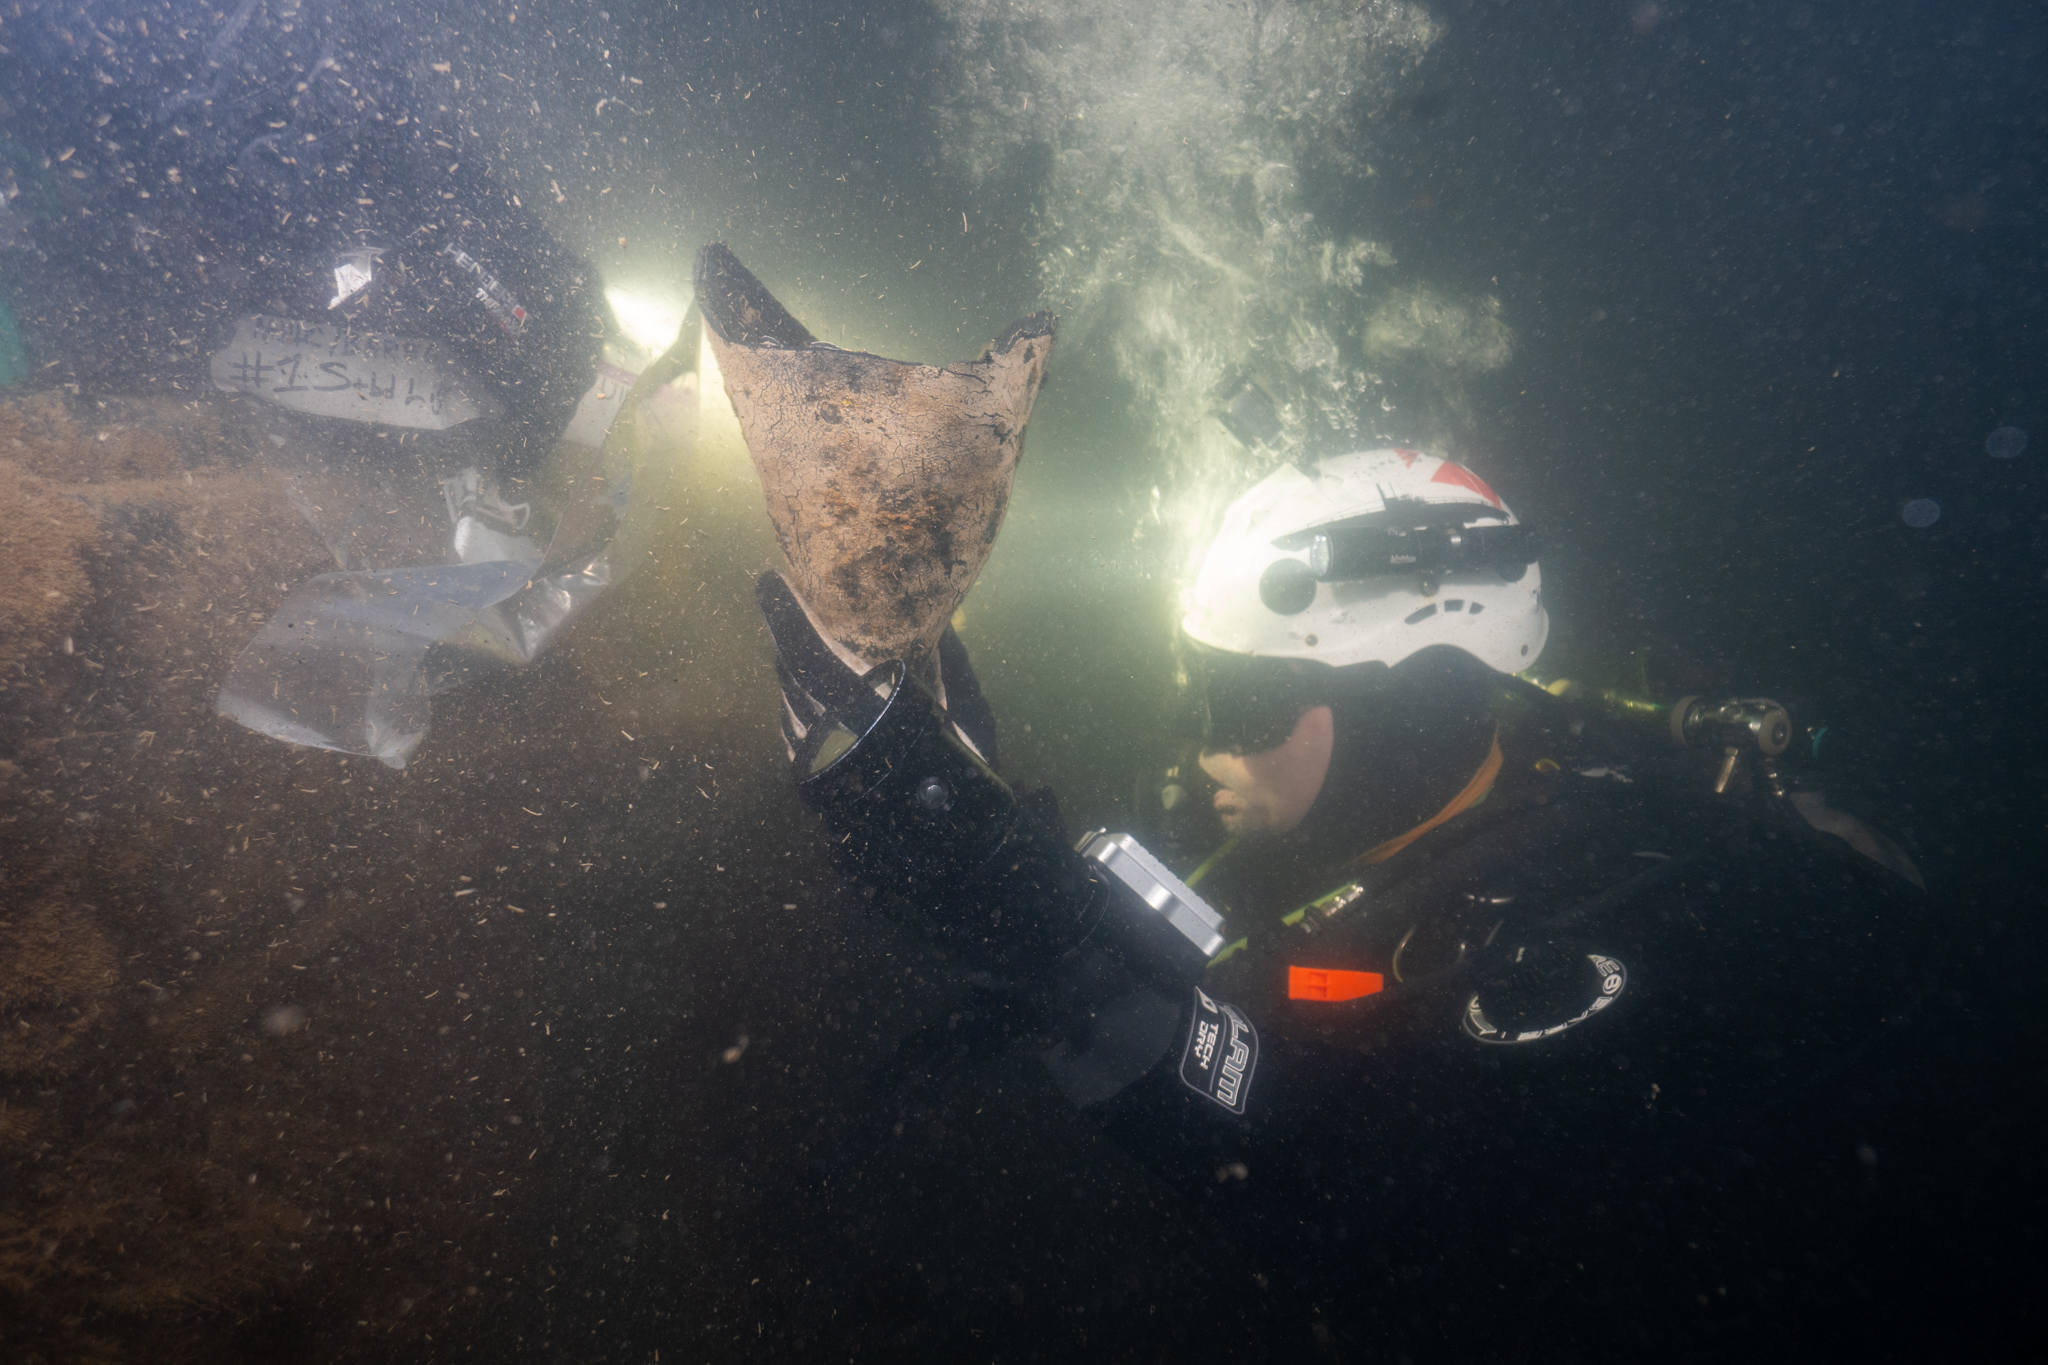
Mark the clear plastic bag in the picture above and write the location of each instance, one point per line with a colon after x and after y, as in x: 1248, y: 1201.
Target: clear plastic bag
x: 340, y: 666
x: 441, y: 573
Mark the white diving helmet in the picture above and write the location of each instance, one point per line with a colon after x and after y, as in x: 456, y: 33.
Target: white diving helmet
x: 1371, y: 557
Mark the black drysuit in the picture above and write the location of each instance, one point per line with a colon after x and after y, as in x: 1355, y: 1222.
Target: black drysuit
x: 1633, y: 1079
x: 1626, y: 1065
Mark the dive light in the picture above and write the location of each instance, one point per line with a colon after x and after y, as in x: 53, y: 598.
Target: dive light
x: 1349, y: 552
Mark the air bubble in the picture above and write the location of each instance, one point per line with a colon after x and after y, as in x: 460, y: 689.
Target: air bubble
x: 2005, y: 443
x: 1920, y: 513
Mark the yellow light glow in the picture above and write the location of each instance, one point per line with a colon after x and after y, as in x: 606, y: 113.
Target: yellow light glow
x: 650, y: 323
x: 719, y: 421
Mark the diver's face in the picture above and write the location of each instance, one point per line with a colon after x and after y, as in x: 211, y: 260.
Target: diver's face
x: 1270, y: 792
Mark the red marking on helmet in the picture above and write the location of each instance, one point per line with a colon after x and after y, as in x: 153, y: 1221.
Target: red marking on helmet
x: 1408, y: 457
x: 1465, y: 478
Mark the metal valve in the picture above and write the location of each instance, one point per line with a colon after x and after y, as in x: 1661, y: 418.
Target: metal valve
x: 1738, y: 725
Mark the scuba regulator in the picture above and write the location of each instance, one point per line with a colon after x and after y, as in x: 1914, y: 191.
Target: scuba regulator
x: 1738, y: 725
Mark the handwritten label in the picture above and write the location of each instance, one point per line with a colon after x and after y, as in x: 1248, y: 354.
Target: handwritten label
x: 328, y: 371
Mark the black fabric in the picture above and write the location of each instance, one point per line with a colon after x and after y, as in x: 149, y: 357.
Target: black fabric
x: 1406, y: 740
x: 1726, y: 1101
x: 965, y: 702
x: 814, y: 681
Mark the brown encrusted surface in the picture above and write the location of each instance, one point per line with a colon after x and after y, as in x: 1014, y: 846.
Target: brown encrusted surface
x: 163, y: 1155
x: 298, y: 1050
x: 45, y: 539
x: 106, y: 440
x: 886, y: 482
x: 60, y: 973
x: 141, y: 545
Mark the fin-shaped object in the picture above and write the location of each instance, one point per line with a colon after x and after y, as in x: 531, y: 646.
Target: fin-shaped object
x: 886, y: 481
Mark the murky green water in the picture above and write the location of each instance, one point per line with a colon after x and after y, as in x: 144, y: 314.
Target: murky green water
x: 562, y: 1042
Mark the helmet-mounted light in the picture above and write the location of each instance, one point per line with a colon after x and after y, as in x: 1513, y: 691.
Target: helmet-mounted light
x: 1416, y: 539
x: 1370, y: 557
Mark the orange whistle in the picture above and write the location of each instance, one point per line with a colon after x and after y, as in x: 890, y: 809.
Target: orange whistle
x: 1316, y: 983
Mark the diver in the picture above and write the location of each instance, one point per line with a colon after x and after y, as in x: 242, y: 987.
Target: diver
x: 182, y: 168
x: 1481, y: 964
x: 281, y: 206
x: 1487, y: 995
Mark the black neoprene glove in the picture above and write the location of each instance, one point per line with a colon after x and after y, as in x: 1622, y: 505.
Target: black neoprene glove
x: 818, y: 678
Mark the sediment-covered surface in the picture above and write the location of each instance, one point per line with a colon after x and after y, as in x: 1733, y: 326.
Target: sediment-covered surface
x: 291, y: 1044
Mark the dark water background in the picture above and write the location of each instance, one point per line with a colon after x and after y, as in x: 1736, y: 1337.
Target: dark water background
x: 1773, y: 270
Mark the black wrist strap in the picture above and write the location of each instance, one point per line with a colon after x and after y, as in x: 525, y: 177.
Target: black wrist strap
x: 807, y: 662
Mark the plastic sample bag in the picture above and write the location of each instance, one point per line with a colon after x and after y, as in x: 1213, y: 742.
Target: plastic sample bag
x: 351, y: 659
x: 341, y: 664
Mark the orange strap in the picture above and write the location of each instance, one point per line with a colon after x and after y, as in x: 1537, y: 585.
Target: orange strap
x: 1316, y: 983
x: 1479, y: 786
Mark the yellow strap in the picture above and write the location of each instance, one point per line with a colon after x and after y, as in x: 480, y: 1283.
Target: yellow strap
x: 1478, y: 787
x: 1209, y: 862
